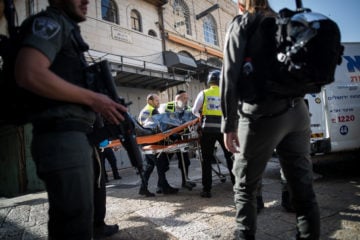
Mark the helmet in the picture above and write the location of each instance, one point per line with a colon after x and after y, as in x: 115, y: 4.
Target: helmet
x: 214, y: 77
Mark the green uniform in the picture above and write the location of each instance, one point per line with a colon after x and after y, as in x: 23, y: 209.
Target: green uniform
x: 60, y: 147
x: 276, y: 122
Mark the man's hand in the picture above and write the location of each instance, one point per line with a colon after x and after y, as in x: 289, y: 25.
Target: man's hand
x: 109, y: 109
x: 231, y: 141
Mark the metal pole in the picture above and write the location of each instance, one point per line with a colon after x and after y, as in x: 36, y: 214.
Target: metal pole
x: 10, y: 13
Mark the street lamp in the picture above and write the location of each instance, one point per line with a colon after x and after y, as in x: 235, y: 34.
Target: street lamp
x: 205, y: 12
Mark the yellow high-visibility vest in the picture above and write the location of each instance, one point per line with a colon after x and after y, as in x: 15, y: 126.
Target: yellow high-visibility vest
x: 211, y: 105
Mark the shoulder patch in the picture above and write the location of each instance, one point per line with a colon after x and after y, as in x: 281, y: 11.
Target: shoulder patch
x: 45, y: 27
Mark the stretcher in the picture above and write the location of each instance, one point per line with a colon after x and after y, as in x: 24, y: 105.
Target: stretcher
x: 182, y: 138
x: 191, y: 126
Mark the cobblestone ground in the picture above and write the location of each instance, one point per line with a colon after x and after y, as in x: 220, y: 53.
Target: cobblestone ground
x: 188, y: 216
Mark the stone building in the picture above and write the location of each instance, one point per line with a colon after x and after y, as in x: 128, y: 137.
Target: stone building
x: 158, y: 45
x: 152, y: 46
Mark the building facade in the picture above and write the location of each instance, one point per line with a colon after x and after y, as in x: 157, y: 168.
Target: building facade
x: 158, y: 46
x: 152, y: 45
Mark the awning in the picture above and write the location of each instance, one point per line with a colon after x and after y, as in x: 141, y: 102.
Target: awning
x: 178, y: 61
x: 129, y: 72
x: 157, y: 2
x: 128, y: 76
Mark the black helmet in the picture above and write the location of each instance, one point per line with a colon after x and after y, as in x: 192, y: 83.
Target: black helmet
x: 214, y: 77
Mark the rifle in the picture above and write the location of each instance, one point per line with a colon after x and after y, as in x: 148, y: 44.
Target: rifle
x: 100, y: 80
x: 10, y: 15
x: 17, y: 110
x: 6, y: 48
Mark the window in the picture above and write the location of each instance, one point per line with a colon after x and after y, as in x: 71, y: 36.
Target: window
x: 109, y: 11
x: 181, y: 17
x: 135, y: 20
x: 210, y: 32
x: 152, y: 33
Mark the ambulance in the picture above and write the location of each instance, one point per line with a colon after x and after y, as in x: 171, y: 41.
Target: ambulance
x: 335, y: 111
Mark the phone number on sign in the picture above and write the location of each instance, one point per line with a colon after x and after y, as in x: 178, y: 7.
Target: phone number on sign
x: 346, y: 118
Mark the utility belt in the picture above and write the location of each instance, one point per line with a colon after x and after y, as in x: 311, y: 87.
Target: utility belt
x: 211, y: 123
x: 270, y: 108
x: 61, y: 126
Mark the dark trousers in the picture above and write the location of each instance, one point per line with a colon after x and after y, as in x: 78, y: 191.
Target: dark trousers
x: 289, y: 133
x: 99, y: 195
x: 207, y: 143
x: 162, y: 165
x: 108, y: 154
x: 64, y: 161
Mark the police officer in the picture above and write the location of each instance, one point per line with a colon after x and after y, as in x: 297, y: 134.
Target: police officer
x: 50, y: 64
x: 160, y: 161
x: 180, y: 104
x: 207, y: 106
x: 255, y: 124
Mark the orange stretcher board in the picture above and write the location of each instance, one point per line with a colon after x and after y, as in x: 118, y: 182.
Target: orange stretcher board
x: 157, y: 143
x: 155, y: 138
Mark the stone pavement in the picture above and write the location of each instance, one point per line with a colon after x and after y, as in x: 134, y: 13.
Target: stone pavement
x: 188, y: 216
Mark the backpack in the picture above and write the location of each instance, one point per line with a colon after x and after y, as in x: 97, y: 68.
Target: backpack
x: 12, y: 98
x: 309, y: 48
x: 16, y: 103
x: 289, y: 55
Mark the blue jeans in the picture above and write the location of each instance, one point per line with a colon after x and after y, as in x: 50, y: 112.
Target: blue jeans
x: 289, y: 133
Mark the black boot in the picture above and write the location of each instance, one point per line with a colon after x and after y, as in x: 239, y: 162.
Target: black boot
x: 205, y: 194
x: 146, y: 192
x: 243, y: 235
x: 116, y: 175
x: 170, y: 190
x: 167, y: 189
x: 105, y: 230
